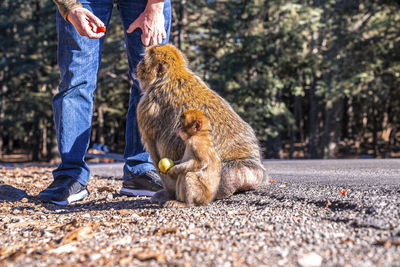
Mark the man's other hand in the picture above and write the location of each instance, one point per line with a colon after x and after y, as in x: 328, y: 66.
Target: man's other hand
x: 151, y: 22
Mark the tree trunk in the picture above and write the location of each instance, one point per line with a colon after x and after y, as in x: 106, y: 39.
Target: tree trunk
x: 333, y: 129
x: 313, y: 123
x: 292, y: 141
x: 44, y: 153
x: 2, y: 114
x: 36, y: 141
x: 375, y: 131
x: 296, y: 133
x: 54, y: 154
x: 100, y: 131
x: 182, y: 22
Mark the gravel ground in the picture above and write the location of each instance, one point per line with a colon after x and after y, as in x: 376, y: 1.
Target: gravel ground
x: 287, y: 222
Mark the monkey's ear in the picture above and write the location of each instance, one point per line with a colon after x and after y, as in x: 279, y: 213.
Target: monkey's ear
x: 162, y: 68
x: 198, y: 125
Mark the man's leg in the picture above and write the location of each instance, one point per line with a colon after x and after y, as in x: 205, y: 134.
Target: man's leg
x: 140, y: 177
x: 79, y: 60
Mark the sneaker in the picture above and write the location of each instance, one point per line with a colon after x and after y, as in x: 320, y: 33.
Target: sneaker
x: 63, y: 191
x: 146, y: 184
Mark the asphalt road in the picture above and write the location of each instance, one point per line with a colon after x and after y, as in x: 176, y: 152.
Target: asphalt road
x: 379, y: 172
x: 301, y: 219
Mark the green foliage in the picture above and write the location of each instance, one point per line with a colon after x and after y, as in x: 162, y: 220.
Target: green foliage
x: 313, y: 78
x: 28, y: 71
x: 263, y: 56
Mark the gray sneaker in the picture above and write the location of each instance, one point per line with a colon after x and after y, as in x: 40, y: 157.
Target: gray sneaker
x: 146, y: 184
x: 63, y: 191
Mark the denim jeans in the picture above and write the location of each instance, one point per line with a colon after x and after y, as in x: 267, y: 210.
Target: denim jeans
x: 79, y: 60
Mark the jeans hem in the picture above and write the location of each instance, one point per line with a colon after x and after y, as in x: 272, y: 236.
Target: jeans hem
x: 139, y: 169
x: 80, y: 180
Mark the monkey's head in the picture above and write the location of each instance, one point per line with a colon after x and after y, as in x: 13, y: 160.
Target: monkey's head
x: 193, y: 122
x: 159, y: 63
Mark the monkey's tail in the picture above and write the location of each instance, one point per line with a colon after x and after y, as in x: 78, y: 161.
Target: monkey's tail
x: 240, y: 175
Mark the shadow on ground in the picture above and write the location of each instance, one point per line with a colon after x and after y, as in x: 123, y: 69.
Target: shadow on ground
x: 10, y: 193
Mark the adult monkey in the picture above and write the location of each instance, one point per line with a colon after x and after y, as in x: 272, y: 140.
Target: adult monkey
x: 170, y: 88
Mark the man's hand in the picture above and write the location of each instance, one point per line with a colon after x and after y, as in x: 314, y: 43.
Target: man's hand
x: 81, y: 18
x: 151, y: 22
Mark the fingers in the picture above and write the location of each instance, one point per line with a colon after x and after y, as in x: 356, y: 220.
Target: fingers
x: 90, y: 33
x: 134, y: 25
x: 95, y: 20
x: 161, y: 36
x: 82, y: 19
x: 152, y: 33
x: 92, y: 19
x: 164, y: 34
x: 146, y: 38
x: 159, y: 39
x: 153, y: 38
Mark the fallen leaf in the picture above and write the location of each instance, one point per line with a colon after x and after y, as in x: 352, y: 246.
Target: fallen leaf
x: 105, y: 188
x: 78, y: 234
x: 328, y: 204
x: 167, y: 230
x: 71, y: 224
x: 20, y: 224
x: 347, y: 240
x: 389, y: 243
x: 123, y: 241
x: 236, y: 212
x: 343, y: 193
x: 8, y: 251
x: 123, y: 212
x: 125, y: 261
x: 150, y: 255
x: 64, y: 249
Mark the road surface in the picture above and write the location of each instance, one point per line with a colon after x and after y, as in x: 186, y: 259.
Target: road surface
x: 301, y: 219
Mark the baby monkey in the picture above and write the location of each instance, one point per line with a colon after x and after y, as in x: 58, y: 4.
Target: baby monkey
x: 199, y: 172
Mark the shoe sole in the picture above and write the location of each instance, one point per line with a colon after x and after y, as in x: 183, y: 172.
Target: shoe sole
x: 72, y: 198
x: 133, y: 192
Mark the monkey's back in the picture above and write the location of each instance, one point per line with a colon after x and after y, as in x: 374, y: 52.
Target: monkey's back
x: 232, y: 136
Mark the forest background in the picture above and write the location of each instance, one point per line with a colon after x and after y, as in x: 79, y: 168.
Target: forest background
x: 315, y: 79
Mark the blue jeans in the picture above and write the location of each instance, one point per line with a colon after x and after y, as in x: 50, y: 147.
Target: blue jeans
x: 79, y: 60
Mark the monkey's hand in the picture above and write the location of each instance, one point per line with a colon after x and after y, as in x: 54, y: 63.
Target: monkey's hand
x: 184, y: 167
x: 172, y: 172
x: 81, y: 18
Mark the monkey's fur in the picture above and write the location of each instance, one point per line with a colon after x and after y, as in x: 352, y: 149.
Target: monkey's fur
x: 199, y: 172
x: 170, y: 88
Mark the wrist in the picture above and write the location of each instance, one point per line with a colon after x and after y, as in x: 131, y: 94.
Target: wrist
x: 72, y: 12
x: 155, y: 5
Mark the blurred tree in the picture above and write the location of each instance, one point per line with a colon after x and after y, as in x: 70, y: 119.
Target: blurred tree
x: 29, y: 75
x: 317, y: 79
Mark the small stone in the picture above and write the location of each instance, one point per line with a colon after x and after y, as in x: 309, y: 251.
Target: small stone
x: 310, y: 260
x: 16, y: 211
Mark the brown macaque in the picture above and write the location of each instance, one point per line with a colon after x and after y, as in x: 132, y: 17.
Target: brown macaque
x: 198, y: 173
x: 169, y: 88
